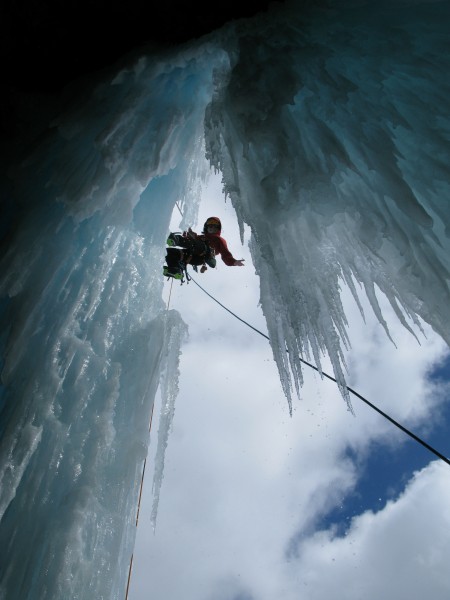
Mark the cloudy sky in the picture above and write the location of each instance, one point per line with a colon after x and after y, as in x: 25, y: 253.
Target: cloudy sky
x: 256, y: 505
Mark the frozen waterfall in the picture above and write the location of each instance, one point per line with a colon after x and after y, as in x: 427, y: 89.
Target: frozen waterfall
x: 330, y: 128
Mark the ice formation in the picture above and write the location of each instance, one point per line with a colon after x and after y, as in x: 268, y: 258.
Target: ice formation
x: 330, y: 127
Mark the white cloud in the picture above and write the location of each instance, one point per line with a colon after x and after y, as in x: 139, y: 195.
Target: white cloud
x: 400, y: 552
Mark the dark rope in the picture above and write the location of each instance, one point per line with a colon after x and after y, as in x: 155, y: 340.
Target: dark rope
x: 386, y: 416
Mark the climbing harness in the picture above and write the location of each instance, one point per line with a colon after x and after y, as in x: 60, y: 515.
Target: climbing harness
x: 184, y: 250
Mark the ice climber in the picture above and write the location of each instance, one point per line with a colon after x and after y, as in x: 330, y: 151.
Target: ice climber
x: 198, y: 250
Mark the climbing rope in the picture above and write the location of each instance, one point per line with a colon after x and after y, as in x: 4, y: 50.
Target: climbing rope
x: 179, y: 209
x: 352, y: 391
x: 138, y: 508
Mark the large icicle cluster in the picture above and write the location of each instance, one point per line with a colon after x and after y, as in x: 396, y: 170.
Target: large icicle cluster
x: 85, y: 333
x: 75, y: 407
x: 332, y: 134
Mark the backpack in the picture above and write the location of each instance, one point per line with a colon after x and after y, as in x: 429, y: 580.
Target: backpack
x: 194, y: 251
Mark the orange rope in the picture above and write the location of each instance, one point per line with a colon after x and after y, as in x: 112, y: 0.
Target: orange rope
x: 129, y: 578
x: 139, y: 507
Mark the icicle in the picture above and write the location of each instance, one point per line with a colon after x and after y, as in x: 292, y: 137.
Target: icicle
x: 175, y: 331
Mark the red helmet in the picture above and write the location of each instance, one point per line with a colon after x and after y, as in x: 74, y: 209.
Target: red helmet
x: 212, y: 221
